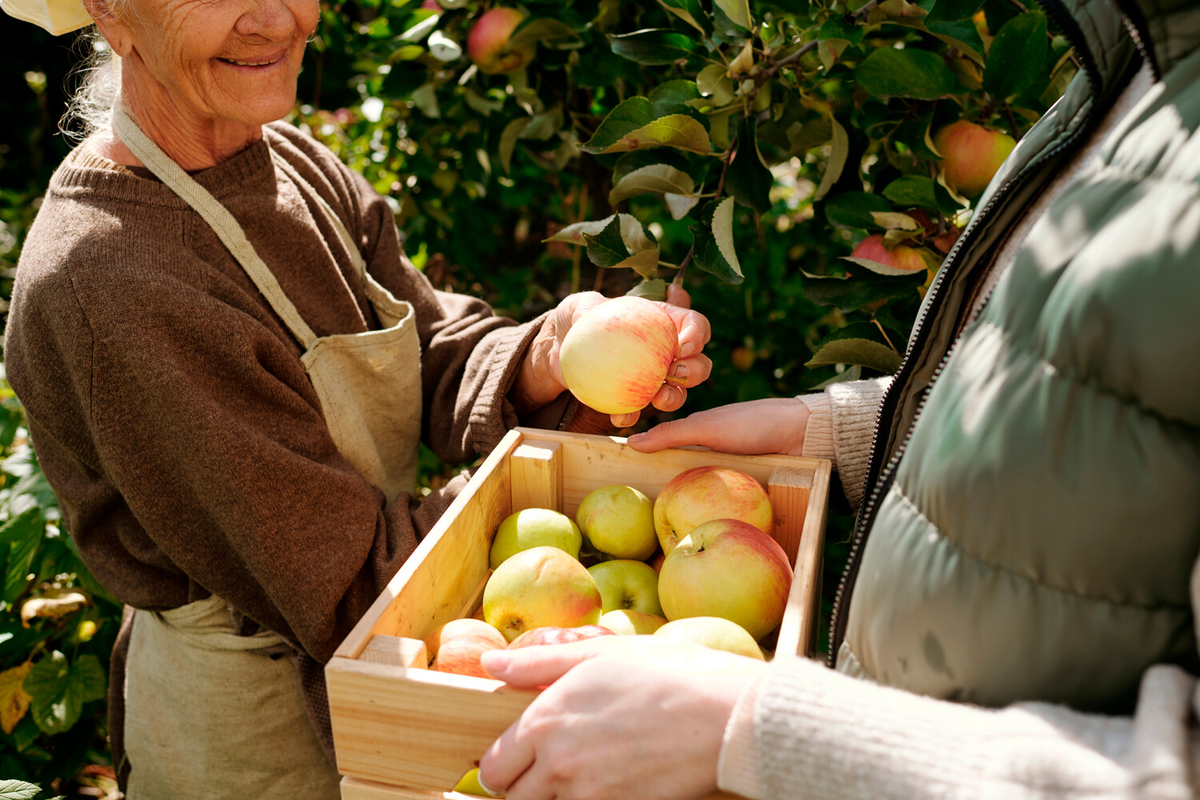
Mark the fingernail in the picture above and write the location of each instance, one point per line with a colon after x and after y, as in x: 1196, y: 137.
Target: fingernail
x: 686, y: 350
x: 680, y: 372
x: 484, y: 786
x: 636, y: 438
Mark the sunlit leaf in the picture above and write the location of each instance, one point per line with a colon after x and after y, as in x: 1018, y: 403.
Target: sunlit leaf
x: 674, y: 130
x: 862, y: 352
x: 14, y: 700
x: 854, y: 209
x: 722, y: 228
x: 839, y: 145
x: 878, y: 267
x: 678, y: 205
x: 656, y: 178
x: 18, y: 790
x: 690, y: 11
x: 654, y: 46
x: 738, y: 11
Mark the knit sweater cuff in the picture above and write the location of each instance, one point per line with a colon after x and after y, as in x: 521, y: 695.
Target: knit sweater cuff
x: 737, y: 766
x: 494, y: 415
x: 855, y: 409
x: 818, y: 432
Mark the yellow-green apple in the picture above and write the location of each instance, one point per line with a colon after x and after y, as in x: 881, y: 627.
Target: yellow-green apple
x: 629, y: 622
x: 727, y: 568
x: 618, y: 521
x: 551, y: 634
x: 625, y: 583
x: 971, y: 155
x: 539, y: 587
x: 899, y: 257
x: 534, y: 527
x: 469, y: 784
x: 701, y: 494
x: 715, y: 632
x: 488, y: 46
x: 457, y: 646
x: 616, y: 356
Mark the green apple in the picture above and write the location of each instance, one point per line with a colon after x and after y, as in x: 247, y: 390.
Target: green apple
x: 715, y: 632
x: 539, y: 587
x: 626, y: 621
x: 701, y: 494
x: 727, y: 568
x: 625, y: 583
x: 618, y: 521
x: 534, y: 527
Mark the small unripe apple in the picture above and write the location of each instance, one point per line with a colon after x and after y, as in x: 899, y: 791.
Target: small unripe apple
x: 540, y: 587
x: 616, y: 357
x: 487, y: 44
x: 700, y: 494
x: 899, y: 257
x: 971, y: 155
x: 619, y: 521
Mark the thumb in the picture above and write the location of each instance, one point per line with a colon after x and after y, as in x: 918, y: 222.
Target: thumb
x: 531, y: 667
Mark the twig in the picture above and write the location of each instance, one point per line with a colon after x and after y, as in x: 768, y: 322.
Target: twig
x: 683, y: 265
x: 885, y: 336
x: 783, y: 62
x: 1012, y: 122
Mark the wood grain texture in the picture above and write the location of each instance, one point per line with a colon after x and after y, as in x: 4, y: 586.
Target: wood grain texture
x: 397, y: 651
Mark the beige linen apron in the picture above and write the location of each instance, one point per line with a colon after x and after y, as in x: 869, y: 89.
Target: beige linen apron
x: 210, y: 714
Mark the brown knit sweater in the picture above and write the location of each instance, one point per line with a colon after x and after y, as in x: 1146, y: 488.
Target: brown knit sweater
x: 172, y: 416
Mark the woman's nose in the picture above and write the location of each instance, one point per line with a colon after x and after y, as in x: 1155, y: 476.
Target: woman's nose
x: 270, y: 19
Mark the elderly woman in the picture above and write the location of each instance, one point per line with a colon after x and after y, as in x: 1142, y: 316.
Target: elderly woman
x: 227, y: 364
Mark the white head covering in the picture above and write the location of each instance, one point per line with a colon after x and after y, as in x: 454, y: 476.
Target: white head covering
x: 56, y: 16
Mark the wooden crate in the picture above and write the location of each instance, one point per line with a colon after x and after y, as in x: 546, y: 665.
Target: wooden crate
x: 403, y: 731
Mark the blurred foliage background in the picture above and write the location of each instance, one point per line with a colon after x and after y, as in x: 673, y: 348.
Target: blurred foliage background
x: 750, y: 150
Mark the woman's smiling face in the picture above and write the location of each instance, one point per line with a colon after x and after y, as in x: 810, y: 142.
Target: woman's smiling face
x: 219, y: 60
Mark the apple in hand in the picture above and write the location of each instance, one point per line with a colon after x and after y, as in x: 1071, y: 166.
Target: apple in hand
x: 625, y: 583
x: 487, y: 43
x: 539, y: 587
x: 534, y: 527
x: 701, y: 494
x: 618, y: 521
x: 629, y: 622
x: 715, y: 632
x: 971, y: 155
x: 727, y: 568
x: 616, y: 356
x: 557, y: 635
x: 459, y: 643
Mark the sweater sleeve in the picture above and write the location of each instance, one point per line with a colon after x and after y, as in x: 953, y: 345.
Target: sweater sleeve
x: 841, y: 425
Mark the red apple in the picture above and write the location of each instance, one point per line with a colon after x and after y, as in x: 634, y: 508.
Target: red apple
x: 539, y: 587
x: 701, y: 494
x: 971, y: 155
x: 487, y: 44
x: 557, y: 635
x: 730, y: 569
x: 459, y: 643
x: 616, y: 357
x: 899, y: 257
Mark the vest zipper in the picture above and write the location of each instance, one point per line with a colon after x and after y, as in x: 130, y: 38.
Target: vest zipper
x: 878, y: 479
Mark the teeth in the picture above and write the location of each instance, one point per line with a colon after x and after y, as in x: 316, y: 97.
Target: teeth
x: 249, y: 63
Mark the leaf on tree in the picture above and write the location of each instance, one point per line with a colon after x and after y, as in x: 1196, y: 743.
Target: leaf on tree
x: 636, y: 159
x: 14, y: 700
x: 18, y: 790
x: 738, y: 11
x: 951, y: 10
x: 690, y: 11
x: 854, y: 209
x: 839, y: 149
x: 678, y: 205
x: 1017, y: 55
x: 59, y: 689
x: 52, y: 604
x: 632, y: 232
x: 919, y: 74
x: 838, y: 27
x: 748, y: 180
x: 654, y: 46
x: 22, y: 534
x: 653, y: 179
x: 863, y: 352
x: 896, y: 220
x: 912, y: 190
x: 672, y: 97
x: 543, y: 30
x: 878, y: 267
x: 722, y: 229
x: 607, y: 248
x: 674, y: 130
x: 650, y: 288
x: 706, y: 253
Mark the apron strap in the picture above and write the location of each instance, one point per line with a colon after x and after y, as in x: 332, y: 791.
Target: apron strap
x: 218, y: 217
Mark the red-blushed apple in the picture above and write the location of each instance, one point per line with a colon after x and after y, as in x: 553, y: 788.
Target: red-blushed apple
x: 534, y: 527
x: 540, y: 587
x: 715, y: 632
x: 488, y: 46
x: 701, y: 494
x: 899, y: 257
x: 457, y: 646
x: 629, y: 622
x: 971, y: 155
x: 727, y: 568
x: 625, y: 583
x: 556, y: 635
x: 618, y: 521
x: 616, y: 357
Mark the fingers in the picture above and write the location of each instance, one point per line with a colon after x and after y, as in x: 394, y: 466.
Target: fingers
x: 694, y: 330
x: 531, y: 667
x: 675, y: 433
x: 678, y: 296
x: 506, y: 760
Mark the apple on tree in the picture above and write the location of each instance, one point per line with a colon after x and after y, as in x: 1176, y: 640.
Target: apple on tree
x: 625, y: 583
x: 534, y: 527
x: 899, y: 257
x: 727, y: 568
x: 715, y: 632
x: 701, y: 494
x: 539, y: 587
x: 457, y: 646
x: 618, y: 521
x: 971, y: 155
x: 488, y: 42
x: 617, y: 355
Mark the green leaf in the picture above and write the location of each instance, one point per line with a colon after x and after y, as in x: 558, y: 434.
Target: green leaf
x: 851, y: 294
x: 748, y: 180
x: 1017, y: 56
x: 632, y: 232
x: 651, y: 289
x: 838, y: 27
x: 18, y: 790
x: 404, y: 78
x: 636, y: 159
x: 541, y: 30
x: 20, y: 536
x: 674, y: 130
x: 722, y: 229
x: 690, y: 11
x: 706, y: 252
x: 919, y: 74
x: 878, y: 267
x: 738, y: 11
x: 672, y: 97
x: 59, y: 689
x: 606, y: 249
x: 839, y: 149
x: 962, y: 35
x: 654, y: 46
x: 854, y: 209
x: 508, y: 142
x: 952, y: 10
x: 653, y: 179
x: 862, y: 352
x: 912, y: 190
x: 627, y: 117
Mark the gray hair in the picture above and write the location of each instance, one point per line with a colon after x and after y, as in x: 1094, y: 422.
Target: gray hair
x: 97, y: 79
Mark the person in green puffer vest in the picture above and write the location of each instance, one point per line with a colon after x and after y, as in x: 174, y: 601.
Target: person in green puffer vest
x: 1017, y: 618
